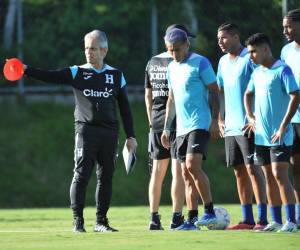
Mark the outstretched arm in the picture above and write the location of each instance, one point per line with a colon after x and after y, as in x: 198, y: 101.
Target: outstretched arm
x: 62, y: 76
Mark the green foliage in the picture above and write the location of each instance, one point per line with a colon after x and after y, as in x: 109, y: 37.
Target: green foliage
x: 36, y: 160
x: 54, y: 30
x: 50, y: 229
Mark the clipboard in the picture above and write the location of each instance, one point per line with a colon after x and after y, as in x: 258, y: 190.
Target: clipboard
x: 129, y: 160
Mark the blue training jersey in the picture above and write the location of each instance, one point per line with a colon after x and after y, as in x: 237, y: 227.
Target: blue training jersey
x: 188, y: 81
x: 290, y: 54
x: 271, y: 87
x: 233, y: 75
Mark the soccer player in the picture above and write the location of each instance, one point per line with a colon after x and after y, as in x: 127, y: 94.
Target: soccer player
x: 290, y: 54
x: 276, y: 100
x: 98, y: 89
x: 234, y: 71
x: 191, y: 79
x: 156, y: 96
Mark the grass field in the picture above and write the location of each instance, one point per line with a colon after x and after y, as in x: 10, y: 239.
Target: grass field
x: 51, y: 229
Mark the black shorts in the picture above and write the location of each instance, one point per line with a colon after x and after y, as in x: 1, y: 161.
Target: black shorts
x: 296, y: 143
x: 195, y: 141
x: 158, y: 152
x: 239, y: 150
x: 265, y: 155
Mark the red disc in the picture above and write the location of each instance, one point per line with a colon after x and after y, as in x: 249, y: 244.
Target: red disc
x: 13, y: 69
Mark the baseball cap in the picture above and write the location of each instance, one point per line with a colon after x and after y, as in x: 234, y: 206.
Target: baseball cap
x: 181, y: 27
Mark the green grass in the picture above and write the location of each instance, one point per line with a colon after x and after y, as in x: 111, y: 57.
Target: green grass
x: 51, y: 229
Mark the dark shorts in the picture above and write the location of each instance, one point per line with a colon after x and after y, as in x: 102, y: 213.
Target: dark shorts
x: 296, y: 144
x: 239, y: 150
x: 265, y: 155
x: 158, y: 152
x: 195, y: 141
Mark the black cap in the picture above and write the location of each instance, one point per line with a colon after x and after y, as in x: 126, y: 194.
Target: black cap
x: 181, y: 27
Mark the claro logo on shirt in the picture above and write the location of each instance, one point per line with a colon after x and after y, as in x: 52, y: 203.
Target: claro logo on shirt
x: 95, y: 93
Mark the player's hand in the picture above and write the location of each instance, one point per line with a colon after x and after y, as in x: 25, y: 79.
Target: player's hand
x: 214, y: 129
x: 165, y: 139
x: 221, y: 125
x: 278, y: 135
x: 131, y: 144
x: 250, y: 126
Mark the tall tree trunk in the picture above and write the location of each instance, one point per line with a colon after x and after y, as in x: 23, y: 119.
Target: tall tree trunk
x: 9, y: 24
x: 190, y: 12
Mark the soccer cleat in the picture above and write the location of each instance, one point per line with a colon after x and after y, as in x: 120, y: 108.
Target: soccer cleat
x: 177, y: 223
x: 207, y: 220
x: 102, y: 225
x: 187, y: 226
x: 155, y: 225
x: 78, y: 224
x: 288, y: 227
x: 273, y: 226
x: 260, y: 225
x: 241, y: 226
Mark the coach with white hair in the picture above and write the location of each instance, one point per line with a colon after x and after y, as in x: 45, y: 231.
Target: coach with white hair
x: 98, y: 89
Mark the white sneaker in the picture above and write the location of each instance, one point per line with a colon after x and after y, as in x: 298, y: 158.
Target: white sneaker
x: 273, y: 226
x: 288, y: 227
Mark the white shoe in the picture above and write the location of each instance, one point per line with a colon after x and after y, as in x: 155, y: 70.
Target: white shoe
x: 288, y: 227
x: 273, y: 226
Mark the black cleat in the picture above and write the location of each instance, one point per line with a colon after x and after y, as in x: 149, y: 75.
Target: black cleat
x: 78, y: 225
x: 155, y: 226
x: 102, y: 225
x: 177, y: 223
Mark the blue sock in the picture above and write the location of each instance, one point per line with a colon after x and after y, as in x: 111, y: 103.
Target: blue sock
x: 298, y: 211
x: 262, y: 212
x: 248, y: 214
x: 290, y: 212
x: 276, y: 214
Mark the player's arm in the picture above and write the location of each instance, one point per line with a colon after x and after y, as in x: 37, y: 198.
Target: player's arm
x: 250, y: 126
x: 221, y: 116
x: 148, y: 102
x: 214, y: 104
x: 127, y: 119
x: 61, y: 76
x: 292, y: 108
x: 170, y: 115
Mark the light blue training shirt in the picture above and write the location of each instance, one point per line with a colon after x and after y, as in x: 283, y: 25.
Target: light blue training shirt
x: 188, y: 81
x: 271, y: 87
x: 290, y: 54
x: 233, y: 75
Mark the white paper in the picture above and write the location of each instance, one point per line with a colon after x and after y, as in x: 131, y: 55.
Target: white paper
x: 129, y: 159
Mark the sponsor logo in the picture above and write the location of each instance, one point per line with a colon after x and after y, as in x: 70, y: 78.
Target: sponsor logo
x: 95, y: 93
x: 278, y: 154
x: 87, y: 77
x: 195, y: 145
x: 250, y: 156
x: 158, y: 68
x: 157, y: 76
